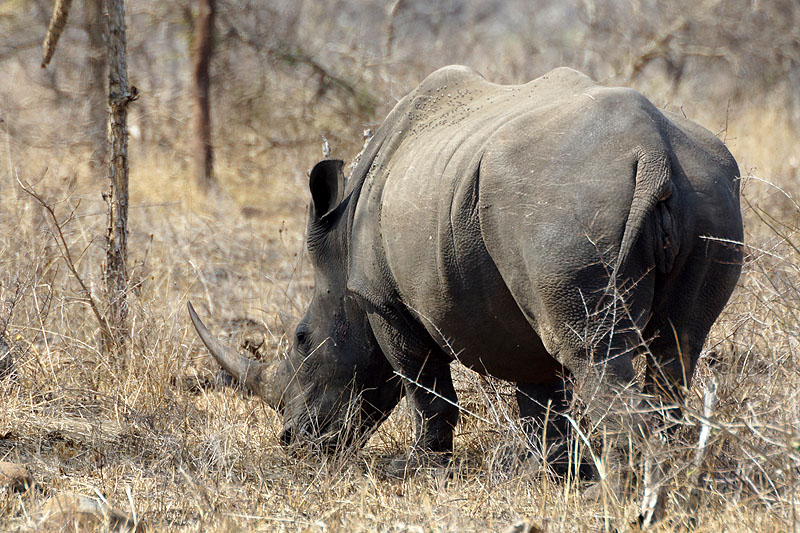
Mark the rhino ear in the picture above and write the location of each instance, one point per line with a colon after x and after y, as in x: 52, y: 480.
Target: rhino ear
x: 326, y: 182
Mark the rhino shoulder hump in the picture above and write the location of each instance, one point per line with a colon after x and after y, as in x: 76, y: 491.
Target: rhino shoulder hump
x: 564, y: 77
x: 450, y: 75
x: 568, y: 73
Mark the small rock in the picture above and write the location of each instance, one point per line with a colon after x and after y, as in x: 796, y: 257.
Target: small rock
x: 68, y: 511
x: 15, y: 477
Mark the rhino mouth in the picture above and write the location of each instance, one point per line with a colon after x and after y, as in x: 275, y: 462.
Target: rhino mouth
x: 329, y: 436
x: 307, y: 438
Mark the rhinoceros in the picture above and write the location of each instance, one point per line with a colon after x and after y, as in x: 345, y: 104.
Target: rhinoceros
x: 536, y: 233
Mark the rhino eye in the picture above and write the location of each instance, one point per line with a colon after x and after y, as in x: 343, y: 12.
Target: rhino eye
x: 300, y: 337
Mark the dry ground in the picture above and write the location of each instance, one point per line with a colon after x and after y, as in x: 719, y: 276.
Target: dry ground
x: 154, y: 436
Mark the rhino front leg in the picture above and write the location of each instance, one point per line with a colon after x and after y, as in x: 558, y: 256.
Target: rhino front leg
x: 430, y: 391
x: 429, y: 388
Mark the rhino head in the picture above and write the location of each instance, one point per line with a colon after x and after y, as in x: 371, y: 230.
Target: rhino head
x: 335, y: 386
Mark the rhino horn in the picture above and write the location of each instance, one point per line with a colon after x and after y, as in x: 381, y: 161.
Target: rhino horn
x: 261, y: 378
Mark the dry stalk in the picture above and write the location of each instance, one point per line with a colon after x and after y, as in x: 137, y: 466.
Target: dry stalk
x: 391, y: 14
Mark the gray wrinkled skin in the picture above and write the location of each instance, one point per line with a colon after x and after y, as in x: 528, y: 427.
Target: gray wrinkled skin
x: 528, y: 232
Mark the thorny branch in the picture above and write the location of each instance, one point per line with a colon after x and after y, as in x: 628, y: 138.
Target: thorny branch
x: 63, y: 248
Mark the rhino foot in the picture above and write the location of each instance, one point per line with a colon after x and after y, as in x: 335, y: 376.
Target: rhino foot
x: 408, y: 465
x: 560, y: 462
x: 614, y: 487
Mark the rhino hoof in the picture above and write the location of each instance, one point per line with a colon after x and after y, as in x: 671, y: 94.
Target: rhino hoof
x: 515, y: 459
x: 612, y: 488
x: 407, y: 465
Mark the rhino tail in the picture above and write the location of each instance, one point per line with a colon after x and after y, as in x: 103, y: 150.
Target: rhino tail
x: 652, y: 190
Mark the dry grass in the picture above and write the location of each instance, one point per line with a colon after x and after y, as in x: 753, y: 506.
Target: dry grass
x: 161, y: 442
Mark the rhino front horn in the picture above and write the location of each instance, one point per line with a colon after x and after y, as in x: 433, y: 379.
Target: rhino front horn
x: 260, y: 378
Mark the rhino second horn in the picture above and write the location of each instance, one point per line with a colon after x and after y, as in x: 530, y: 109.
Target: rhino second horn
x: 256, y: 376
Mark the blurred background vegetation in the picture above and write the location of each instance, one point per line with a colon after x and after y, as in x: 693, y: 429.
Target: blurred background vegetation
x: 283, y: 73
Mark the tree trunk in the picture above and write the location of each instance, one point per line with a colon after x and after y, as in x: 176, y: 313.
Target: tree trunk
x: 96, y: 87
x: 119, y: 96
x: 203, y: 37
x: 391, y: 14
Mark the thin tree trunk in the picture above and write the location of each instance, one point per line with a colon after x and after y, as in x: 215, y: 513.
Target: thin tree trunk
x: 391, y: 14
x: 203, y: 37
x: 119, y: 96
x: 96, y: 87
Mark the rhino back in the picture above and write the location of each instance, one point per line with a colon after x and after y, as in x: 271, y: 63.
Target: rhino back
x: 488, y: 203
x: 416, y: 236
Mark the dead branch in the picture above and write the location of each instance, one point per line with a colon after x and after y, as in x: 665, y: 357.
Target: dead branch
x: 63, y: 248
x: 325, y: 76
x: 201, y: 86
x: 655, y: 49
x: 391, y: 14
x: 57, y: 23
x: 13, y: 51
x: 120, y: 95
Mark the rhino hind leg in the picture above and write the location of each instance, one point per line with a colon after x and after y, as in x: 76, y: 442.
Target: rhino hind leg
x: 679, y: 327
x: 670, y: 366
x: 680, y: 330
x: 543, y: 409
